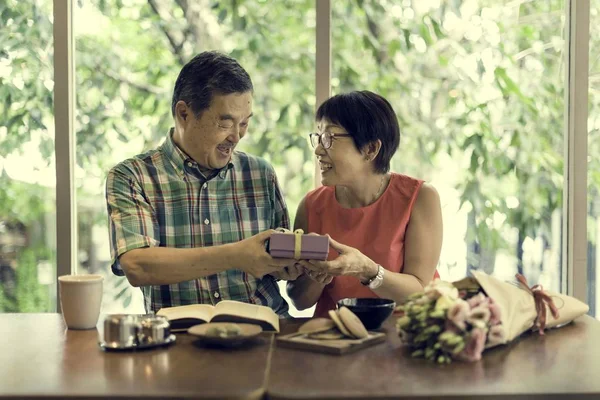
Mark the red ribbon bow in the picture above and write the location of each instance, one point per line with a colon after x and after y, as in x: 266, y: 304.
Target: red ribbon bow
x: 540, y: 297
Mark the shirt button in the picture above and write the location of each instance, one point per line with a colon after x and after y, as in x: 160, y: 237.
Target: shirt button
x: 205, y: 185
x: 216, y: 294
x: 190, y: 164
x: 206, y: 221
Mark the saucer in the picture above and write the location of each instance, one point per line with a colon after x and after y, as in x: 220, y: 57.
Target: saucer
x: 113, y: 346
x: 209, y: 333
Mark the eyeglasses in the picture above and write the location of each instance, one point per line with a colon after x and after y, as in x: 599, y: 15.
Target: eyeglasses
x: 229, y: 125
x: 325, y: 139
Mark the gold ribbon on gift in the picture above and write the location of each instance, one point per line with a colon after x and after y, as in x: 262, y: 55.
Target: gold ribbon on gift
x: 297, y: 240
x: 540, y: 297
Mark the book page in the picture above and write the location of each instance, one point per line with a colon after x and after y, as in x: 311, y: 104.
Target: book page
x: 236, y: 311
x: 203, y: 312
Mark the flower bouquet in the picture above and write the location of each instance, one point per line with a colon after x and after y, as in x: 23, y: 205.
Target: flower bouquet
x: 457, y: 321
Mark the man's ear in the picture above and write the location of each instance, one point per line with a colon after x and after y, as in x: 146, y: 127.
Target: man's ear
x: 371, y: 150
x: 182, y: 111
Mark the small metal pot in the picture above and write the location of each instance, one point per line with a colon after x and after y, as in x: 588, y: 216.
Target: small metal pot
x: 154, y: 329
x: 121, y: 331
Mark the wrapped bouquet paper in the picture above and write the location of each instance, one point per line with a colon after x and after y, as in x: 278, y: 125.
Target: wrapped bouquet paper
x: 457, y: 321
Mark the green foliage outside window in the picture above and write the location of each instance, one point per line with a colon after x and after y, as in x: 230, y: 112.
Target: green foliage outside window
x: 28, y: 295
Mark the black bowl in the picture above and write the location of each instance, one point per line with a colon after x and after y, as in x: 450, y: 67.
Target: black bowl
x: 371, y: 311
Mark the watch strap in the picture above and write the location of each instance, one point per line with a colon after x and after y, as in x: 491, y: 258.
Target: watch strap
x: 375, y: 280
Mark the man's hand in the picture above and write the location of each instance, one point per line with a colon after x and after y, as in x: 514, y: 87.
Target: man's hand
x: 289, y: 273
x: 252, y: 257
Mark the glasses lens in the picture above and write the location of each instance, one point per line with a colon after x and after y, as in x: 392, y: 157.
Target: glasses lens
x: 226, y: 125
x: 326, y: 140
x: 314, y: 139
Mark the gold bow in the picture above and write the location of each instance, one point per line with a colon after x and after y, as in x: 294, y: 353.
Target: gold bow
x: 297, y: 240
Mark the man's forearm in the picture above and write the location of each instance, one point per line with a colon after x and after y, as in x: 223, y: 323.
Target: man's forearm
x: 164, y: 265
x: 304, y: 292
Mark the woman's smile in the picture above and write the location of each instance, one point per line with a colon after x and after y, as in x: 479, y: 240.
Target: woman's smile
x: 325, y: 166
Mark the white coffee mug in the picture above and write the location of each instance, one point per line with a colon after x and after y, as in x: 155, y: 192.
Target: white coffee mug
x: 80, y: 300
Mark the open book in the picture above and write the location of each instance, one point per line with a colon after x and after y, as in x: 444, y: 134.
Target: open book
x: 184, y: 317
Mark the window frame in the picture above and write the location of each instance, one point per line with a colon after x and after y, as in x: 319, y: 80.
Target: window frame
x: 64, y: 140
x: 577, y: 35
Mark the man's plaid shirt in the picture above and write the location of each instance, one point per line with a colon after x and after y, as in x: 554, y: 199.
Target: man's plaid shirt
x: 160, y: 198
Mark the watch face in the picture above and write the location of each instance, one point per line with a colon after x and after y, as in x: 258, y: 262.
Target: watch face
x: 378, y: 280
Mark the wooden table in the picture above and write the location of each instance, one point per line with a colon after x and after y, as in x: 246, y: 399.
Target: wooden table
x: 563, y: 361
x: 39, y: 357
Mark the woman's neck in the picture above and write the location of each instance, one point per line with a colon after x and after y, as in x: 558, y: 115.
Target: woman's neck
x: 363, y: 191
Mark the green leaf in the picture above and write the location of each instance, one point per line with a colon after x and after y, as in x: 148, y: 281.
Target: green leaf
x: 424, y: 31
x: 122, y: 292
x: 222, y: 15
x: 127, y: 301
x: 394, y: 46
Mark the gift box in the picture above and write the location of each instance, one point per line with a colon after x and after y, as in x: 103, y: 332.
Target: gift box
x: 298, y: 246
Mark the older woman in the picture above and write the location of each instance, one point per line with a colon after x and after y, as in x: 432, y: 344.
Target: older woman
x: 385, y: 228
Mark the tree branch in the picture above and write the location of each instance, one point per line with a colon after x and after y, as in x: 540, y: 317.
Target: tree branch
x: 139, y: 86
x: 184, y: 6
x: 174, y: 46
x: 381, y: 55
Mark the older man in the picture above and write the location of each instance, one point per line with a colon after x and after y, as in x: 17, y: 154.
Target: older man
x: 189, y: 219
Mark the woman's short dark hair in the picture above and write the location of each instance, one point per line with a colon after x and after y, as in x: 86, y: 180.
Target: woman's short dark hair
x: 207, y: 74
x: 367, y: 117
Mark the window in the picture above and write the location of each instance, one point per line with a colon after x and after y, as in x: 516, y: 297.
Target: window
x: 478, y: 90
x: 127, y: 61
x: 27, y: 167
x: 478, y: 86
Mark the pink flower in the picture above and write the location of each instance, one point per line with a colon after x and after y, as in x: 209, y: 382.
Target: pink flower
x: 477, y: 300
x: 451, y: 327
x: 479, y: 315
x: 495, y: 336
x: 474, y: 347
x: 458, y: 314
x: 495, y: 316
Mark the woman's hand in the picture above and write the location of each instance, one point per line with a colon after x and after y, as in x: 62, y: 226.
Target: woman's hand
x: 349, y: 262
x: 321, y: 277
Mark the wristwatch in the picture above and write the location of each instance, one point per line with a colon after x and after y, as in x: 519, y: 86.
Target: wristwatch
x: 376, y: 281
